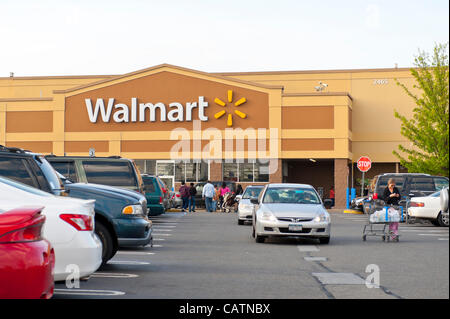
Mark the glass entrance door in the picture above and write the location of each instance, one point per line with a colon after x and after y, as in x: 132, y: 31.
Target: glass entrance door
x: 166, y: 171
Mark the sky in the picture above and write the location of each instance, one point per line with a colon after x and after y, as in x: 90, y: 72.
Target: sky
x: 98, y: 37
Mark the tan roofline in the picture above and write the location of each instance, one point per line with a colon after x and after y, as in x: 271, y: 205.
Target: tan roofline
x: 312, y: 71
x: 26, y: 99
x: 318, y: 94
x: 58, y: 77
x: 173, y: 67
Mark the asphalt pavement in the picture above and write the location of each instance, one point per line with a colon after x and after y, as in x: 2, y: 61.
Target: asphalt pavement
x: 209, y: 256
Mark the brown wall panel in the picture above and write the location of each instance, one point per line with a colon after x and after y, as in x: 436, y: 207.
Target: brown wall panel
x: 37, y: 147
x: 307, y: 144
x: 23, y: 122
x: 307, y: 117
x: 81, y: 146
x: 168, y: 87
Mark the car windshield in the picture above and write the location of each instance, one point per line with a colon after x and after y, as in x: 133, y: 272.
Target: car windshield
x: 252, y: 192
x: 24, y: 187
x: 291, y: 195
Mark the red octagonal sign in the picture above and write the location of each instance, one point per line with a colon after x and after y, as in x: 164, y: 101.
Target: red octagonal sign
x: 364, y: 164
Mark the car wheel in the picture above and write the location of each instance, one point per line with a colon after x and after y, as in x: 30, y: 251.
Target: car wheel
x: 260, y: 239
x: 107, y: 242
x: 442, y: 220
x: 240, y: 222
x: 324, y: 240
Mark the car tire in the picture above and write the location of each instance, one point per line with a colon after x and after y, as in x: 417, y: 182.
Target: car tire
x: 324, y: 240
x: 240, y: 222
x: 105, y: 237
x: 443, y: 222
x: 260, y: 239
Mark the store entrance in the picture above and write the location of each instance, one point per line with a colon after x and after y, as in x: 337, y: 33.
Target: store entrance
x: 318, y: 173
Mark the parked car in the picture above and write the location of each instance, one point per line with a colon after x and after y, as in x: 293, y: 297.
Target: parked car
x: 27, y: 260
x: 175, y: 200
x: 113, y: 171
x: 245, y: 207
x: 199, y: 201
x: 120, y: 214
x: 166, y: 193
x: 409, y: 184
x: 428, y: 207
x: 358, y: 202
x: 155, y: 195
x: 288, y: 210
x: 69, y: 226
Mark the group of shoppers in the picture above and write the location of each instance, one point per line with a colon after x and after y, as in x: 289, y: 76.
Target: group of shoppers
x: 187, y: 194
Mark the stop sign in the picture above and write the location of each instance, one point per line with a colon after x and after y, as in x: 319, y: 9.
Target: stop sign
x: 364, y: 164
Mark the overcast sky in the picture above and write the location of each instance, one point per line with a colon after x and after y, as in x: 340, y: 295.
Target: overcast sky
x: 60, y: 37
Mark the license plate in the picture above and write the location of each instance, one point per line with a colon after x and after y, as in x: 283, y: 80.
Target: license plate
x: 294, y: 227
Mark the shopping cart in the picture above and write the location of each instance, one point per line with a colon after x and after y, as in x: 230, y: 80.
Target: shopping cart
x: 381, y: 227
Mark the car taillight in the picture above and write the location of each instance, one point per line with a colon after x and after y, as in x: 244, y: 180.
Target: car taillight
x: 417, y: 204
x: 375, y: 196
x: 78, y: 221
x: 22, y: 226
x: 160, y: 200
x: 164, y: 190
x: 178, y: 195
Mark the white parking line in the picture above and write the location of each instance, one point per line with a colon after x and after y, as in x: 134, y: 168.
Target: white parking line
x: 339, y: 278
x: 315, y: 258
x: 161, y: 235
x: 443, y: 239
x: 306, y: 248
x: 164, y: 226
x: 134, y: 253
x: 127, y: 262
x: 157, y: 239
x: 157, y: 246
x: 88, y: 292
x: 161, y: 230
x: 430, y: 234
x: 113, y: 275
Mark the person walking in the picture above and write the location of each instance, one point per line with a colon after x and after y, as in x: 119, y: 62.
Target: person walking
x: 332, y: 195
x: 239, y: 190
x: 207, y: 195
x: 216, y: 198
x: 192, y: 193
x: 184, y: 193
x: 391, y: 196
x: 223, y: 190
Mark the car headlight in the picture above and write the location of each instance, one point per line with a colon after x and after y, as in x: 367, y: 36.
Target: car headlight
x: 322, y: 217
x: 133, y: 210
x: 267, y: 216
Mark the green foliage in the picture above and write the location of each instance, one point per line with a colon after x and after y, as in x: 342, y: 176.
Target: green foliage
x: 428, y: 128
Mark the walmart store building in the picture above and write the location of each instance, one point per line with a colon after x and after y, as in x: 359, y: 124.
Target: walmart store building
x: 314, y: 125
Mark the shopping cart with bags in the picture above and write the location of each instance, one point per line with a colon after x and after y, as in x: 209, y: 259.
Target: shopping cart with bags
x: 379, y: 222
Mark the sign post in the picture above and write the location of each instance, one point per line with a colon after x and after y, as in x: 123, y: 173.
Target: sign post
x: 364, y: 164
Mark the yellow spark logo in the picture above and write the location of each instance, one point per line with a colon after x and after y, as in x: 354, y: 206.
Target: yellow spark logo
x: 230, y: 100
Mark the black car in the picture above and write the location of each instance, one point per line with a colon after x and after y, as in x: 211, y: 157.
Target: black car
x: 199, y: 201
x: 409, y: 185
x: 113, y: 171
x: 120, y: 215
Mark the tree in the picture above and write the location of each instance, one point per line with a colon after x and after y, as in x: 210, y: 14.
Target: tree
x: 428, y: 128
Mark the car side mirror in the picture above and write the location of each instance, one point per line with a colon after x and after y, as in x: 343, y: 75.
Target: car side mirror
x: 254, y: 200
x: 238, y: 198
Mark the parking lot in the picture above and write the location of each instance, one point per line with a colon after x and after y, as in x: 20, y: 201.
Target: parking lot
x: 207, y: 255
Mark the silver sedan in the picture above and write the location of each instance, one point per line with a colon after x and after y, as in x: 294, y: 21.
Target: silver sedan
x: 290, y: 210
x: 245, y: 207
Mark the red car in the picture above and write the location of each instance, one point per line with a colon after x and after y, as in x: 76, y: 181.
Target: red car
x: 26, y: 259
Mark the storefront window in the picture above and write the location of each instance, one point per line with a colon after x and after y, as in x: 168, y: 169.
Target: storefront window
x: 165, y: 169
x: 191, y: 172
x: 246, y: 172
x: 230, y: 172
x: 179, y: 172
x: 261, y: 172
x: 202, y: 171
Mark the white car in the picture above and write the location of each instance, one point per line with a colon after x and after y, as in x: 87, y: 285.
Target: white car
x: 69, y: 227
x: 428, y: 207
x: 245, y: 207
x: 290, y: 210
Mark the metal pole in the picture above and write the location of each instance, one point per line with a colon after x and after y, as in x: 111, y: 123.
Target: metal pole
x: 362, y: 184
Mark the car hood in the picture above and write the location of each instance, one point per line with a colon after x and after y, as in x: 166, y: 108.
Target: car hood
x: 294, y: 210
x: 119, y: 192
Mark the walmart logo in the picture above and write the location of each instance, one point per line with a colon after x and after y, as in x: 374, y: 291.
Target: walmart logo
x: 238, y: 103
